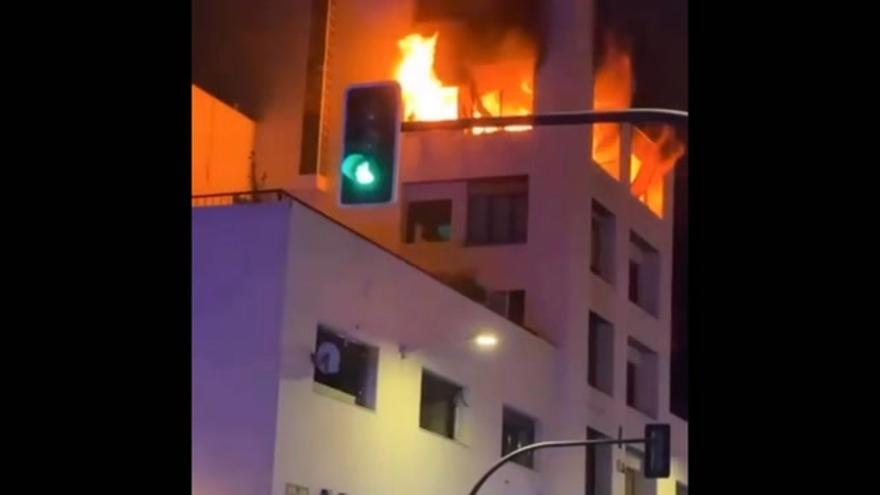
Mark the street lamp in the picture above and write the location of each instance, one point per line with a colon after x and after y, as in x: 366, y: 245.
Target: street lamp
x: 486, y: 340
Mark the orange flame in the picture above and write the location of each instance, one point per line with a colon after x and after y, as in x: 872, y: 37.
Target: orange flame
x: 424, y: 95
x: 650, y: 159
x: 426, y: 98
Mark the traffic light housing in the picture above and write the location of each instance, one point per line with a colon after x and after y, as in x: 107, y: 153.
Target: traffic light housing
x: 371, y: 139
x: 657, y: 451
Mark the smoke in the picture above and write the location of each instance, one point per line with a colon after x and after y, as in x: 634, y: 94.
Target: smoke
x: 474, y: 32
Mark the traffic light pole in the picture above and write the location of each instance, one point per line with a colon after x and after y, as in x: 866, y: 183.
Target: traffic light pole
x: 630, y: 115
x: 656, y: 463
x: 550, y: 445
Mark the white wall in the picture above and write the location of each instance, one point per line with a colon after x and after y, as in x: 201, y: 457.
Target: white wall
x: 238, y: 255
x: 347, y: 283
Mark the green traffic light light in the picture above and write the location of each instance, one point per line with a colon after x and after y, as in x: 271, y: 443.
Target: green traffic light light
x: 368, y: 168
x: 363, y: 175
x: 359, y: 168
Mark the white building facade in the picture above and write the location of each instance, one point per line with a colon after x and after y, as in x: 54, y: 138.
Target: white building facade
x: 546, y: 250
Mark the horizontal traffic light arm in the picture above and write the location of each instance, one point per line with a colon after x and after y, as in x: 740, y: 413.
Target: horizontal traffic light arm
x: 548, y: 445
x: 630, y: 115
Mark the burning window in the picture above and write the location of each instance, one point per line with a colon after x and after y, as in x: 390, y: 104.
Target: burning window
x: 467, y: 59
x: 651, y: 157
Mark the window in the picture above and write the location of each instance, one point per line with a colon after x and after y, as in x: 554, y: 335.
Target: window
x: 510, y: 304
x: 314, y: 90
x: 641, y: 378
x: 600, y: 359
x: 635, y: 482
x: 345, y: 369
x: 429, y: 221
x: 644, y: 275
x: 630, y: 481
x: 497, y: 211
x: 439, y: 405
x: 599, y: 468
x: 602, y: 242
x: 518, y: 430
x: 630, y: 384
x: 634, y: 268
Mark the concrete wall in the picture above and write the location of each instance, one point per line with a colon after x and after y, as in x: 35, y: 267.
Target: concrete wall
x: 222, y: 142
x: 238, y: 255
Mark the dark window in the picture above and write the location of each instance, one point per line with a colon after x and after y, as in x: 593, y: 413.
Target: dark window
x: 644, y: 275
x: 497, y: 211
x: 631, y: 384
x: 510, y: 304
x: 345, y: 365
x: 599, y: 468
x: 595, y: 245
x: 600, y: 358
x: 634, y: 277
x: 641, y: 378
x: 518, y: 431
x: 602, y: 242
x: 517, y: 310
x: 439, y: 404
x: 429, y: 221
x: 314, y: 90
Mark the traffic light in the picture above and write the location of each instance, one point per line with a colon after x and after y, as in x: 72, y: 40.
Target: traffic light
x: 657, y: 451
x: 368, y: 172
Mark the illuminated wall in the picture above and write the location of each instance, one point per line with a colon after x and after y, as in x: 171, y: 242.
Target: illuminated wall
x: 222, y: 142
x: 236, y: 313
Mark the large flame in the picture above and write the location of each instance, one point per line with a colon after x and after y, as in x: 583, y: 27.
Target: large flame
x: 424, y: 95
x: 650, y: 159
x: 426, y: 98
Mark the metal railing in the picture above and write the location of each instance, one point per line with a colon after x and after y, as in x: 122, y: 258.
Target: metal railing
x: 240, y: 198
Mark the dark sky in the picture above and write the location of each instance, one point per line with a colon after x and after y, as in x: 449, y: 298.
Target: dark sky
x: 234, y: 50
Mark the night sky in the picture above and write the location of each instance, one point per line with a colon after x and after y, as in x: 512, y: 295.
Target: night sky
x: 234, y: 52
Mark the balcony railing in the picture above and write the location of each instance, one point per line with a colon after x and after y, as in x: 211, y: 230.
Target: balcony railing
x: 239, y: 198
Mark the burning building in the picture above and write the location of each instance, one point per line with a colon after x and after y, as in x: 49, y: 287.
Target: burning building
x: 557, y: 239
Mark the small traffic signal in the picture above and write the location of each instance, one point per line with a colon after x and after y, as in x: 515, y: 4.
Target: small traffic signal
x: 368, y: 172
x: 657, y: 451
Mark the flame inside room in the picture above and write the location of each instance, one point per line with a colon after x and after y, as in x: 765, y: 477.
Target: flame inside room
x: 476, y: 59
x: 469, y: 60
